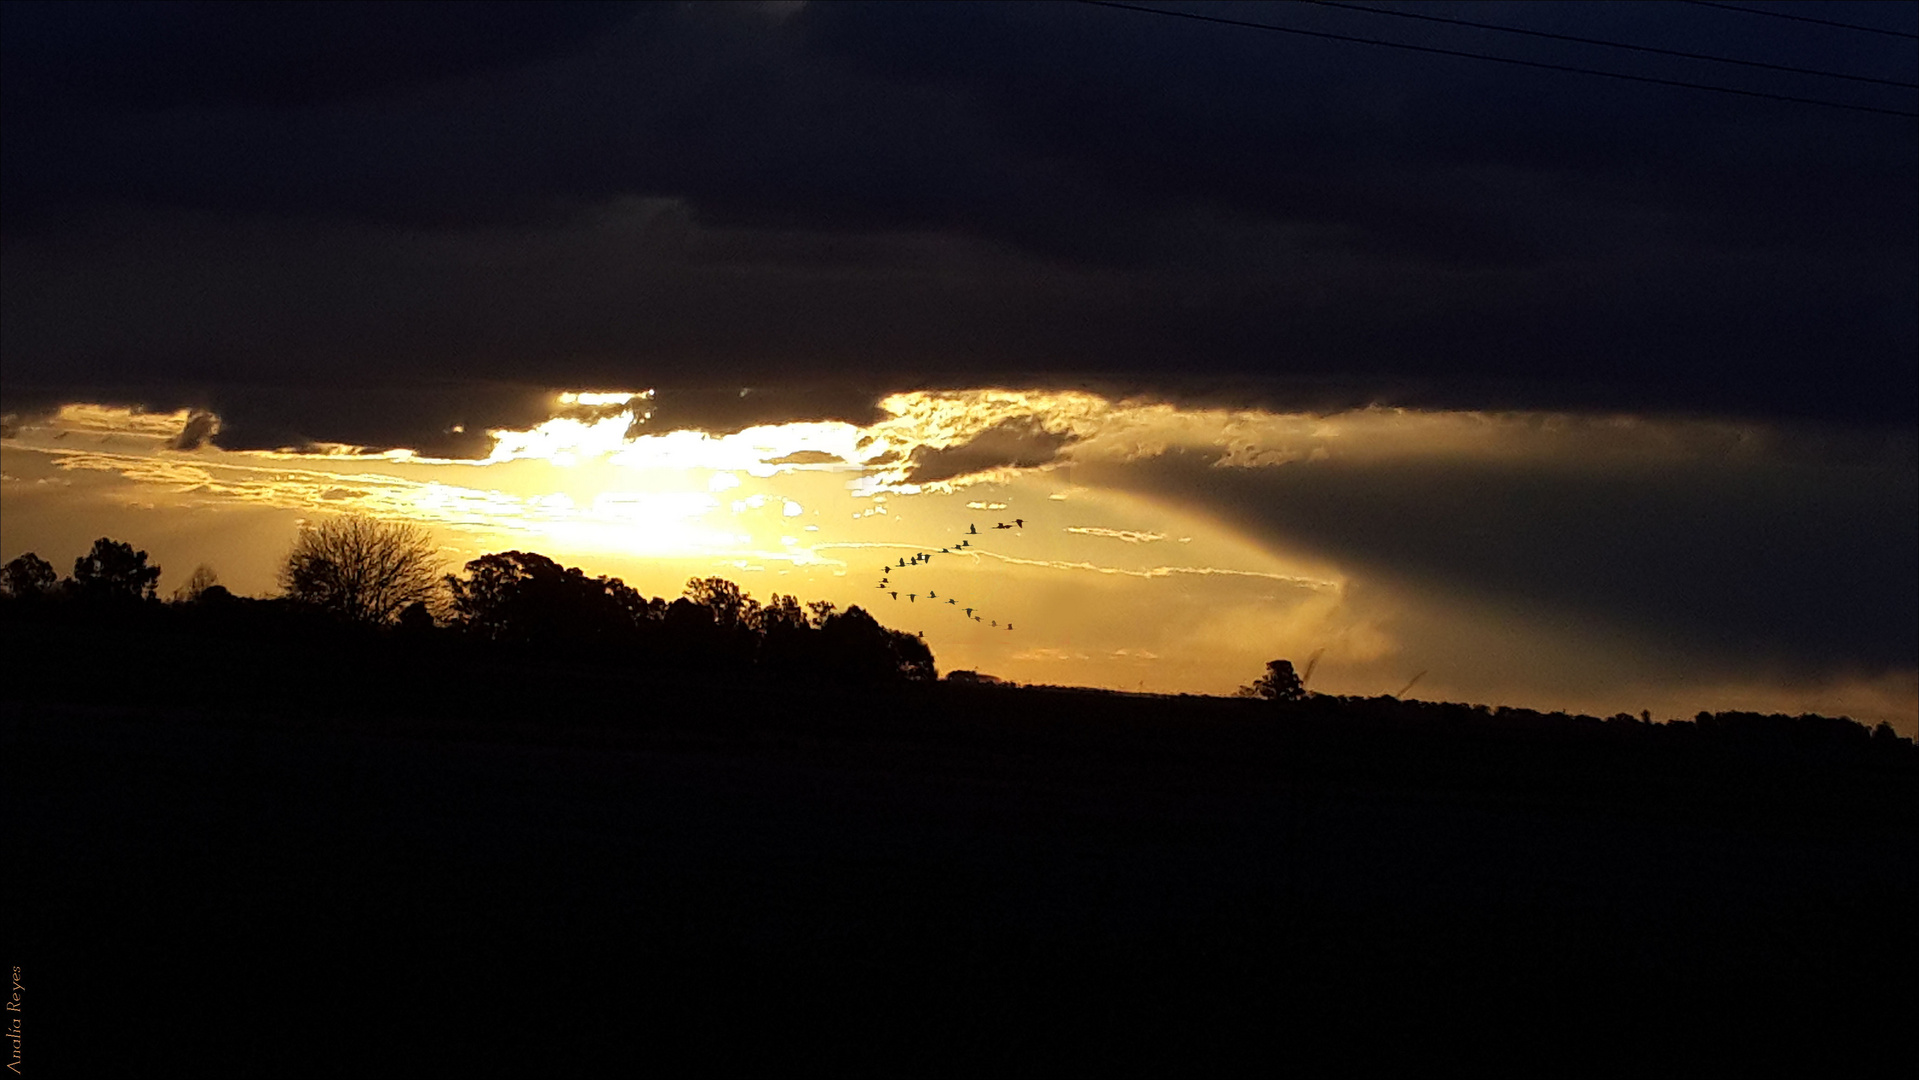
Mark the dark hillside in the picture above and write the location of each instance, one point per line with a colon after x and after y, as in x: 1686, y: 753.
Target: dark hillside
x: 279, y: 855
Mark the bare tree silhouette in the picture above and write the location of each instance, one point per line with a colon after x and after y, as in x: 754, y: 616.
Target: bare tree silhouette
x: 362, y: 569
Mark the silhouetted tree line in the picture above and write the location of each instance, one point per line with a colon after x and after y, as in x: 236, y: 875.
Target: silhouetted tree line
x: 376, y: 586
x: 359, y: 579
x: 111, y: 573
x: 1810, y: 732
x: 528, y: 601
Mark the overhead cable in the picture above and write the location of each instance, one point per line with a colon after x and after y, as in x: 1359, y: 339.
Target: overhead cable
x: 1806, y: 19
x: 1402, y: 14
x: 1244, y: 24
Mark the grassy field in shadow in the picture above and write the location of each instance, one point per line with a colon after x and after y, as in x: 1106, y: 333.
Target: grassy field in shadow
x: 269, y: 860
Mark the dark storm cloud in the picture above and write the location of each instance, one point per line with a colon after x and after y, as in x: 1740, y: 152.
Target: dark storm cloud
x: 724, y: 410
x: 436, y: 419
x: 806, y: 457
x: 1789, y: 563
x: 920, y: 195
x: 154, y: 57
x: 1020, y: 444
x: 200, y: 427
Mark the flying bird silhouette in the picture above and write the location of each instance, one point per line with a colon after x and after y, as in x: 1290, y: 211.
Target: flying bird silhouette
x: 912, y: 597
x: 1020, y: 522
x: 895, y: 595
x: 972, y: 530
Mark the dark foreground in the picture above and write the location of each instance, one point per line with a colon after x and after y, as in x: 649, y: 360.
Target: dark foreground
x: 938, y: 880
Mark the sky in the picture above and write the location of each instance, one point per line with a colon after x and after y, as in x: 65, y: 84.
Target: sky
x: 1481, y: 381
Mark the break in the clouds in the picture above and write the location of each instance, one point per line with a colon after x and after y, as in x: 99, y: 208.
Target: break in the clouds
x: 1562, y: 389
x: 1552, y: 559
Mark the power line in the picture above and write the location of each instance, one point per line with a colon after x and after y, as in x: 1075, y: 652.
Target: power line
x: 1805, y: 19
x: 1612, y: 44
x: 1221, y: 20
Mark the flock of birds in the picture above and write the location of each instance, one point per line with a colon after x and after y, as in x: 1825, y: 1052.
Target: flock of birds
x: 925, y: 557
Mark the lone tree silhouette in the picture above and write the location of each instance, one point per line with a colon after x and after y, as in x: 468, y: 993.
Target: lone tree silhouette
x: 1280, y: 683
x: 113, y: 571
x: 360, y: 569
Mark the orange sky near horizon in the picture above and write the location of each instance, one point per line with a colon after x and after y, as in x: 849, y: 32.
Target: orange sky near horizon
x: 1121, y: 574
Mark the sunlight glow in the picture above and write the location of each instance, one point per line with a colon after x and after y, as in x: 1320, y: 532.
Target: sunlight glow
x: 1137, y: 575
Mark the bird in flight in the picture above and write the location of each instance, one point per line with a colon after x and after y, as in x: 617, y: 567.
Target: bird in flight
x: 895, y: 596
x: 902, y: 562
x: 930, y: 595
x: 1019, y: 523
x: 972, y: 530
x: 953, y: 601
x: 912, y: 597
x: 969, y: 613
x: 1009, y: 626
x: 1002, y: 525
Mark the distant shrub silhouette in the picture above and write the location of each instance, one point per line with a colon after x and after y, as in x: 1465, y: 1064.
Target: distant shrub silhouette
x: 416, y: 618
x: 1280, y: 683
x: 974, y: 678
x: 215, y: 596
x: 27, y: 577
x: 360, y: 569
x: 114, y: 573
x: 196, y: 585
